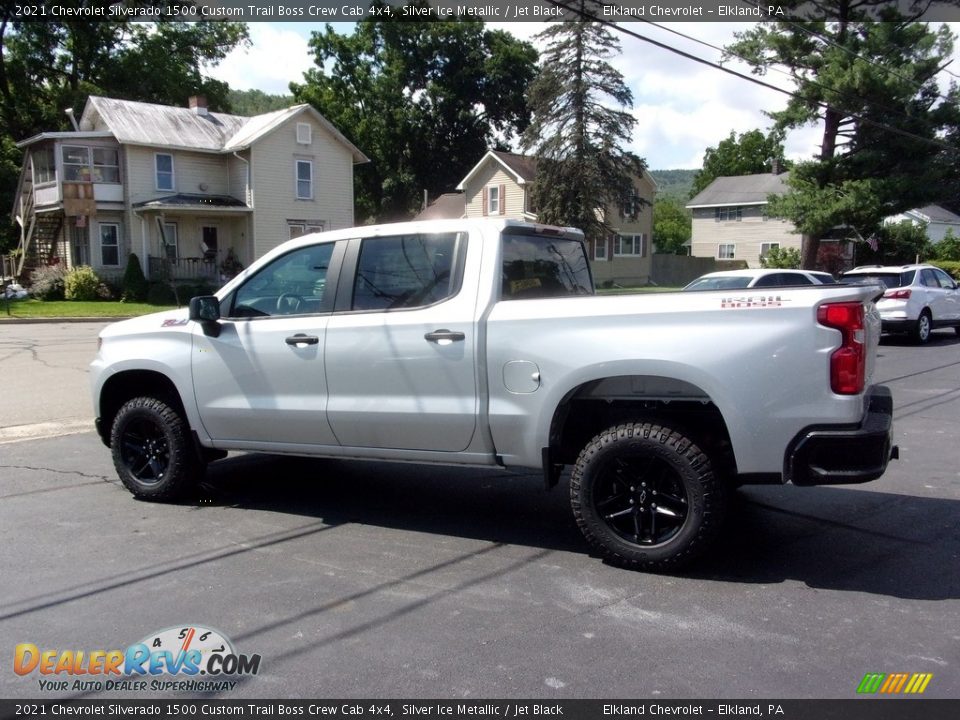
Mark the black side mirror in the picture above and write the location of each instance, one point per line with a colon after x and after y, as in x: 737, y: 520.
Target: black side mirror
x: 205, y: 310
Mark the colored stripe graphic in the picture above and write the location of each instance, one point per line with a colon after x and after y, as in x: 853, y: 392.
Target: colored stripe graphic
x: 894, y: 683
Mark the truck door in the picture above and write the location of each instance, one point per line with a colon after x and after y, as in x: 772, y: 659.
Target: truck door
x: 262, y: 380
x: 401, y: 346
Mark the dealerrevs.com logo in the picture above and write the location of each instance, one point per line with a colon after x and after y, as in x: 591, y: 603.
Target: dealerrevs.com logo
x: 171, y: 659
x: 894, y: 683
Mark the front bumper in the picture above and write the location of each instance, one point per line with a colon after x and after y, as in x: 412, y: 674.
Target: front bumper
x: 843, y: 455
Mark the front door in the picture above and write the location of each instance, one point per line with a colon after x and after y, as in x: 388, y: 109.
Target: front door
x: 401, y: 348
x: 262, y: 380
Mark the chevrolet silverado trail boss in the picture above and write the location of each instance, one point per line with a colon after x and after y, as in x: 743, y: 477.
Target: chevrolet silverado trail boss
x: 481, y: 342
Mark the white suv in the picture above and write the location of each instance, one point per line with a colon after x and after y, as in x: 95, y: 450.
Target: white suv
x: 916, y: 298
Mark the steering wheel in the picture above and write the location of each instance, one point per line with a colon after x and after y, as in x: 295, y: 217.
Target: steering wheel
x: 289, y: 304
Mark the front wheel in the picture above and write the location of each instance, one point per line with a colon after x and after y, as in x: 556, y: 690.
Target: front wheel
x: 646, y: 497
x: 152, y: 452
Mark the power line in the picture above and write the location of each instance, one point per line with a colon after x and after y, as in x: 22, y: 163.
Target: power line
x: 756, y: 81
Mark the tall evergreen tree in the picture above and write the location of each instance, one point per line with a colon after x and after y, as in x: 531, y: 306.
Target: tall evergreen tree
x: 577, y: 137
x: 886, y: 125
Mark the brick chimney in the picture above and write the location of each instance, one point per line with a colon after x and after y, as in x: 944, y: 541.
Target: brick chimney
x: 198, y: 103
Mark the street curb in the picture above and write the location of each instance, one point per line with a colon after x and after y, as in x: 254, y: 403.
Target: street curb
x: 29, y: 321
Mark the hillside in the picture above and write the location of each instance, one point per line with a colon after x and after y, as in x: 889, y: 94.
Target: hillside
x: 674, y: 183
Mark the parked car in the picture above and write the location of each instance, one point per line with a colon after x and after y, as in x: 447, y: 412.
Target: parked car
x: 916, y: 298
x: 764, y: 278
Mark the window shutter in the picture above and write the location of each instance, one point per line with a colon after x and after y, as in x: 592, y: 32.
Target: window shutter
x: 503, y: 199
x: 485, y: 193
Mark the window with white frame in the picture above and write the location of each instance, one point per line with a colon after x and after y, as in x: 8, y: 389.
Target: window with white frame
x: 106, y: 165
x: 163, y: 164
x: 630, y: 245
x: 725, y: 251
x: 171, y: 243
x: 109, y: 244
x: 298, y: 228
x: 304, y: 180
x: 766, y: 247
x: 493, y: 200
x: 304, y: 134
x: 600, y: 249
x: 44, y: 165
x: 728, y: 214
x: 76, y: 163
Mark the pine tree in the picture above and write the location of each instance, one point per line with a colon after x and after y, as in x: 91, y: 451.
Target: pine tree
x: 576, y: 136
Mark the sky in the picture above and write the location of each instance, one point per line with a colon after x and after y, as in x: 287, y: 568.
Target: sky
x: 681, y: 107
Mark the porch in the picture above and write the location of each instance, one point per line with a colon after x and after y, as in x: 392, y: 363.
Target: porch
x: 183, y: 268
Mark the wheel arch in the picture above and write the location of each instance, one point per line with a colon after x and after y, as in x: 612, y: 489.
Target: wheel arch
x: 595, y: 405
x: 128, y: 384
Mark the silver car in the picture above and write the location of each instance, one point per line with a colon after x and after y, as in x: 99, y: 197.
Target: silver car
x: 916, y: 298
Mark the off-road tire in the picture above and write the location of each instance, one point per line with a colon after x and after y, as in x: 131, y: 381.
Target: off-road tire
x: 612, y: 494
x: 152, y: 450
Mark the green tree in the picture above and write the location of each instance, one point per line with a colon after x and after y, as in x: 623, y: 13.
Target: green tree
x: 257, y: 102
x: 671, y: 226
x: 873, y: 86
x: 577, y: 136
x: 788, y: 258
x: 948, y: 248
x: 749, y: 153
x: 897, y: 244
x: 423, y: 100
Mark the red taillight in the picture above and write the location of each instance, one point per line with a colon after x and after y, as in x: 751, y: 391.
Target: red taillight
x: 849, y: 362
x: 898, y: 294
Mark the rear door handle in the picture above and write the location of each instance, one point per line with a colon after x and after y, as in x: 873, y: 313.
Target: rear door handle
x: 444, y: 337
x: 301, y: 339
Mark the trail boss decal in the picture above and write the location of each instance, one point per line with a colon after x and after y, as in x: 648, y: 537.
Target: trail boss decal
x: 752, y: 301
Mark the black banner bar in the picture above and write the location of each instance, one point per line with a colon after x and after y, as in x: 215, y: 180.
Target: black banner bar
x: 858, y: 709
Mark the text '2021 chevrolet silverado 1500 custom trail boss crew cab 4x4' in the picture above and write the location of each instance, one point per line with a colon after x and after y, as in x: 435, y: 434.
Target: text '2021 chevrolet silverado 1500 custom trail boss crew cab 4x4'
x: 481, y: 342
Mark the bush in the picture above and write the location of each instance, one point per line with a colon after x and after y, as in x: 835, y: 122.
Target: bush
x: 948, y: 248
x: 135, y: 285
x: 161, y: 294
x: 81, y: 283
x: 46, y: 283
x: 952, y: 267
x: 783, y: 258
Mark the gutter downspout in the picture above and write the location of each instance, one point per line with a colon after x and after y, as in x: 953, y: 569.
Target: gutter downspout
x: 248, y: 193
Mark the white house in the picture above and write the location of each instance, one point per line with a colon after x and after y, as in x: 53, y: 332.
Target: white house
x: 935, y: 219
x: 186, y: 189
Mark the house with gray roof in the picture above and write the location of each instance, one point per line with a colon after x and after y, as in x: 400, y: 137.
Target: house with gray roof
x: 730, y: 220
x: 936, y: 220
x: 193, y: 193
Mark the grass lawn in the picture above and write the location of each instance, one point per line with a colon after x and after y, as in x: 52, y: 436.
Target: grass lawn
x: 32, y: 308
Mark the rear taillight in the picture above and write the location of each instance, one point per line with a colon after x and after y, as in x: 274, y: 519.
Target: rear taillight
x: 898, y: 294
x: 848, y: 362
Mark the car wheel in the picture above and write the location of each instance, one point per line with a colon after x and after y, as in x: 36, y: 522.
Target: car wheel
x: 921, y: 331
x: 646, y: 497
x: 152, y: 452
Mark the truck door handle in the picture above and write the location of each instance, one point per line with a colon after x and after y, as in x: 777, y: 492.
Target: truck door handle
x: 301, y: 339
x: 444, y: 337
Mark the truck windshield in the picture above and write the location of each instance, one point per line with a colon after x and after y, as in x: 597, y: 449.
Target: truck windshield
x: 537, y: 266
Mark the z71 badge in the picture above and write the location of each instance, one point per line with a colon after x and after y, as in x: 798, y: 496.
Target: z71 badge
x: 751, y: 301
x: 173, y: 322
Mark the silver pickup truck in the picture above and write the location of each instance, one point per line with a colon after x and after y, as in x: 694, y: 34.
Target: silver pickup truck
x: 481, y: 342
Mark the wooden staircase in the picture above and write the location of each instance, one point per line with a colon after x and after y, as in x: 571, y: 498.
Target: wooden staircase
x: 39, y: 233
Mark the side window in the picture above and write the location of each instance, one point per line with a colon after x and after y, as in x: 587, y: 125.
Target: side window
x: 542, y: 267
x: 406, y: 271
x: 772, y: 280
x: 945, y: 280
x: 294, y: 284
x: 929, y: 279
x: 795, y: 279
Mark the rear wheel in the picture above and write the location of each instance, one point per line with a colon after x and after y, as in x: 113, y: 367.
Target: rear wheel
x: 921, y: 331
x: 152, y: 452
x: 646, y: 497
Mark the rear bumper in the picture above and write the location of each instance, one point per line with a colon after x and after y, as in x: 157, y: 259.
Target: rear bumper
x: 842, y: 455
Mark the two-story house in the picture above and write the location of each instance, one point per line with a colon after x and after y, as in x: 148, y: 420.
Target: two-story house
x: 186, y: 189
x: 500, y: 184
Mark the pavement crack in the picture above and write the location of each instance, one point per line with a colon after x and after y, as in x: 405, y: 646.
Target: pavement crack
x: 78, y: 473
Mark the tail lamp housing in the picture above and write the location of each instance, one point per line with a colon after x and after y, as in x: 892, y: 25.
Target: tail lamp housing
x: 848, y: 363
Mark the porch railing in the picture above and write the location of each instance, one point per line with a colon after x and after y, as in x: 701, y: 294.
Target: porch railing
x: 184, y: 268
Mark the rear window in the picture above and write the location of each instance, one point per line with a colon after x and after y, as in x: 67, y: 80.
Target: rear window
x: 887, y: 279
x: 543, y: 267
x: 733, y: 282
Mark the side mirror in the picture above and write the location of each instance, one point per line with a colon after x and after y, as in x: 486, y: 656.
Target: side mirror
x: 205, y: 310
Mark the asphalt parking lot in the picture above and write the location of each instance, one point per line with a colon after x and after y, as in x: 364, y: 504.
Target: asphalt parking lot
x: 373, y: 580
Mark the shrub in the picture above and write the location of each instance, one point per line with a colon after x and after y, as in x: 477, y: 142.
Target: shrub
x: 135, y: 285
x: 784, y: 258
x: 161, y: 294
x: 46, y: 283
x: 952, y: 267
x: 948, y: 248
x: 81, y: 283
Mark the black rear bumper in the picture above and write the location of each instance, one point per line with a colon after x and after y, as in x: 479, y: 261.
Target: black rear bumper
x: 844, y: 455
